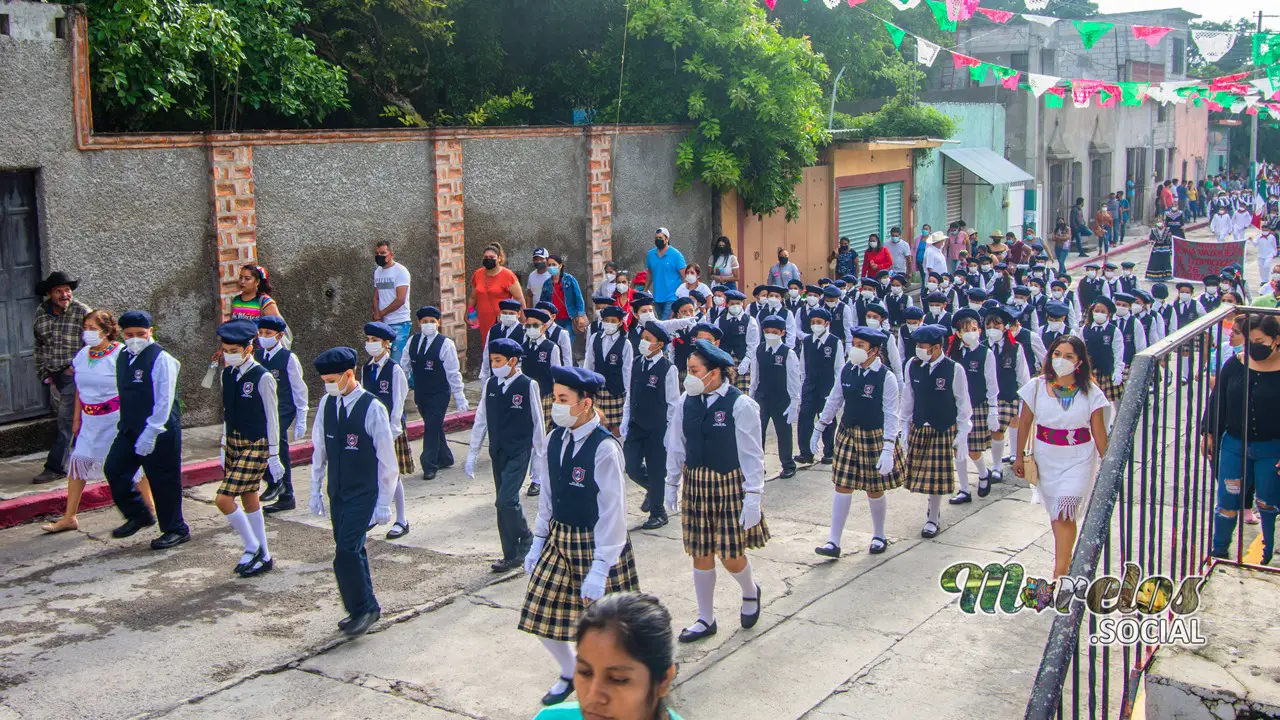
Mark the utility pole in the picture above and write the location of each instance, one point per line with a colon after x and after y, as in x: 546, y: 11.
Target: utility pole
x: 1253, y: 138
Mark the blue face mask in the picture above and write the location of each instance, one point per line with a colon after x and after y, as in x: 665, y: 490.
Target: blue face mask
x: 553, y: 271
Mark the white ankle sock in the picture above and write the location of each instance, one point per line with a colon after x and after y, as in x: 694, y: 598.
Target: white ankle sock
x: 704, y: 586
x: 748, y: 586
x: 997, y: 452
x: 399, y: 498
x: 878, y: 507
x: 981, y: 464
x: 259, y: 526
x: 240, y: 521
x: 935, y: 509
x: 962, y: 471
x: 839, y: 514
x: 562, y: 651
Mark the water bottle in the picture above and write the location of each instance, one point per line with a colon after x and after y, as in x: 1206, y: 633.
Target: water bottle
x: 209, y: 376
x: 473, y: 318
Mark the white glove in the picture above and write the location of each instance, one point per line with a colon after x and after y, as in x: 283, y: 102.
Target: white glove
x: 222, y: 457
x: 751, y: 515
x: 470, y: 467
x: 275, y: 467
x: 993, y: 419
x: 300, y: 429
x: 381, y: 514
x: 885, y: 465
x: 622, y: 430
x: 461, y: 403
x: 792, y: 415
x: 395, y: 431
x: 593, y: 584
x: 743, y: 368
x: 1117, y: 379
x: 672, y: 499
x: 535, y: 552
x: 816, y: 443
x: 317, y: 505
x: 145, y: 445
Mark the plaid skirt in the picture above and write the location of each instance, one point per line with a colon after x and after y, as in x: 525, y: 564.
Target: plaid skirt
x: 610, y: 406
x: 931, y: 460
x: 712, y: 508
x: 856, y: 454
x: 554, y: 601
x: 1008, y: 413
x: 742, y: 381
x: 1109, y: 389
x: 245, y: 465
x: 404, y: 454
x: 546, y: 411
x: 979, y: 439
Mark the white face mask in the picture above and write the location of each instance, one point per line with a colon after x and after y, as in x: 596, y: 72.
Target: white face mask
x: 772, y: 340
x: 1122, y: 312
x: 562, y: 415
x: 268, y: 343
x: 430, y: 329
x: 508, y: 320
x: 502, y: 371
x: 971, y: 338
x: 994, y: 335
x: 138, y: 344
x: 868, y: 294
x: 923, y: 355
x: 645, y: 347
x: 91, y: 337
x: 896, y: 289
x: 775, y: 303
x: 233, y: 359
x: 937, y: 310
x: 610, y: 277
x: 694, y: 385
x: 621, y: 286
x: 1035, y: 291
x: 717, y: 300
x: 533, y: 333
x: 610, y: 328
x: 1057, y: 325
x: 690, y: 278
x: 1099, y: 318
x: 931, y: 286
x: 1091, y: 274
x: 1063, y: 366
x: 1110, y: 274
x: 793, y: 293
x: 818, y: 329
x: 735, y: 310
x: 884, y: 283
x: 811, y: 301
x: 912, y: 327
x: 1058, y: 294
x: 332, y: 389
x: 373, y: 348
x: 946, y: 284
x: 857, y: 355
x: 975, y: 306
x: 832, y: 304
x: 986, y: 268
x: 1126, y: 272
x: 1211, y: 290
x: 648, y: 316
x: 1184, y: 296
x: 1019, y: 303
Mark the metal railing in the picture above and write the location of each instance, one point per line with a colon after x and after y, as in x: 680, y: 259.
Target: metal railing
x: 1153, y: 504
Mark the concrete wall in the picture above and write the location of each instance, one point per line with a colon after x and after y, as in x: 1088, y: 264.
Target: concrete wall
x: 977, y: 126
x: 1191, y: 140
x: 644, y: 199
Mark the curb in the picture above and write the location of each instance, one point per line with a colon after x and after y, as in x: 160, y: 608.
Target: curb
x: 1127, y: 247
x: 198, y: 472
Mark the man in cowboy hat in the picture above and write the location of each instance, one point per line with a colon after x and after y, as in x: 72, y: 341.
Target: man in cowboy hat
x: 57, y: 328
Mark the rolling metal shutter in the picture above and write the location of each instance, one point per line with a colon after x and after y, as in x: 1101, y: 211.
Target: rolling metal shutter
x: 892, y: 193
x: 955, y: 195
x: 859, y: 215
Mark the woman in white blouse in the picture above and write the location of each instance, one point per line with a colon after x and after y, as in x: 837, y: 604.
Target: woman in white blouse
x: 97, y: 411
x: 692, y: 282
x: 724, y: 264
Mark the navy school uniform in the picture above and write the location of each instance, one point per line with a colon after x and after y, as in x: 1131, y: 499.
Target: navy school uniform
x: 867, y: 403
x: 681, y: 349
x: 1088, y: 291
x: 897, y: 306
x: 387, y: 382
x: 560, y: 337
x: 147, y: 384
x: 1012, y: 372
x: 516, y: 333
x: 433, y: 364
x: 979, y: 365
x: 944, y: 320
x: 1209, y: 301
x: 822, y: 360
x: 841, y: 320
x: 1128, y: 283
x: 1134, y: 333
x: 789, y: 335
x: 776, y: 387
x: 741, y: 337
x: 539, y: 357
x: 1033, y: 351
x: 291, y: 396
x: 1105, y: 345
x: 936, y: 410
x: 251, y: 426
x: 651, y: 402
x: 612, y: 357
x: 511, y: 415
x: 1002, y: 288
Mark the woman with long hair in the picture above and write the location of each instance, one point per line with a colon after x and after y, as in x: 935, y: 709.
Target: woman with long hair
x: 724, y: 264
x: 254, y: 299
x: 1064, y: 419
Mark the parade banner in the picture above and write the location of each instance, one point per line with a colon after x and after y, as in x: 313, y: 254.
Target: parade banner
x: 1192, y: 260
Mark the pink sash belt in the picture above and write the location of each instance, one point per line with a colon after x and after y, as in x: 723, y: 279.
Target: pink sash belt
x: 104, y: 408
x: 1065, y: 438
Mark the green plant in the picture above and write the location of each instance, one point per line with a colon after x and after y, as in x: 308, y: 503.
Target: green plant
x: 902, y: 118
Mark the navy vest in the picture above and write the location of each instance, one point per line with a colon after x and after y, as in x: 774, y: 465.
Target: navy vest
x: 771, y: 386
x: 537, y: 364
x: 429, y: 379
x: 682, y: 348
x: 1128, y: 327
x: 1166, y: 314
x: 819, y: 366
x: 1147, y: 320
x: 944, y: 320
x: 1025, y: 314
x: 1007, y: 371
x: 1003, y: 289
x: 863, y: 397
x: 278, y: 366
x: 353, y: 461
x: 378, y: 382
x: 610, y: 366
x: 897, y: 307
x: 935, y: 404
x: 1024, y: 342
x: 137, y: 397
x: 837, y: 328
x: 1128, y: 284
x: 734, y: 341
x: 1098, y: 342
x: 909, y: 345
x: 710, y: 435
x: 573, y: 479
x: 242, y: 409
x: 495, y: 332
x: 860, y: 309
x: 509, y: 414
x: 1186, y: 315
x: 1210, y: 302
x: 975, y: 371
x: 648, y: 394
x: 1089, y: 291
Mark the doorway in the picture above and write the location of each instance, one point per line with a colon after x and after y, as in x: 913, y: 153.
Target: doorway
x: 21, y: 394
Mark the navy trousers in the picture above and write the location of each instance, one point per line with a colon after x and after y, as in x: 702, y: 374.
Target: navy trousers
x: 350, y: 510
x: 286, y: 480
x: 810, y: 408
x: 510, y: 466
x: 645, y: 457
x: 783, y: 429
x: 163, y: 468
x: 436, y: 452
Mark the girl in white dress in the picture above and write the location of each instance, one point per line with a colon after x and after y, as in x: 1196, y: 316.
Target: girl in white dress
x: 97, y: 411
x: 1064, y: 411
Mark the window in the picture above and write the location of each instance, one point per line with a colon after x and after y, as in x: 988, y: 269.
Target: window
x: 1099, y: 179
x: 1179, y: 65
x: 60, y: 28
x: 4, y: 24
x: 869, y: 209
x: 1159, y: 168
x: 1019, y: 61
x: 1048, y: 62
x: 1162, y: 112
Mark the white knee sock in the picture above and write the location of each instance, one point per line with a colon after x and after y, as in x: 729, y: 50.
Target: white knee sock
x: 878, y: 507
x: 935, y: 508
x: 240, y: 521
x: 399, y: 498
x: 981, y: 464
x: 704, y: 586
x: 839, y: 514
x: 962, y: 471
x: 997, y: 452
x: 748, y: 586
x: 562, y: 651
x: 259, y: 526
x: 1013, y: 441
x: 1184, y: 367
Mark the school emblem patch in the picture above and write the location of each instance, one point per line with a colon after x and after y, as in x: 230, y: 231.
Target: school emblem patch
x: 384, y: 386
x: 973, y: 366
x: 613, y: 358
x: 517, y: 400
x: 718, y: 418
x: 653, y: 381
x: 542, y: 356
x: 779, y: 359
x: 868, y: 391
x: 941, y: 383
x: 826, y: 352
x: 353, y: 441
x: 137, y: 376
x: 275, y: 374
x: 246, y: 390
x: 579, y: 475
x: 430, y: 365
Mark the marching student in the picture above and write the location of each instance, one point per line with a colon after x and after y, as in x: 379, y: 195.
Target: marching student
x: 741, y: 336
x: 611, y: 355
x: 291, y: 395
x: 877, y: 318
x: 1091, y: 287
x: 714, y: 444
x: 867, y: 294
x: 710, y: 333
x: 555, y: 333
x: 508, y: 407
x: 581, y: 549
x: 651, y: 401
x: 1058, y: 292
x: 386, y: 381
x: 1132, y: 329
x: 761, y: 302
x: 1023, y: 308
x: 938, y: 417
x: 841, y: 312
x: 1002, y: 286
x: 1105, y: 345
x: 897, y: 301
x: 823, y: 356
x: 431, y: 360
x: 1211, y: 298
x: 954, y: 288
x: 1033, y: 348
x: 775, y: 386
x: 979, y: 362
x: 1161, y: 307
x: 869, y: 398
x: 1184, y: 311
x: 595, y: 326
x: 353, y: 448
x: 149, y: 435
x: 1111, y: 278
x: 540, y: 355
x: 1222, y: 224
x: 1241, y: 219
x: 508, y: 326
x: 915, y: 320
x: 977, y: 296
x: 1128, y: 281
x: 1152, y: 322
x: 718, y: 303
x: 938, y: 313
x: 883, y: 280
x: 250, y: 443
x: 1012, y: 372
x: 1037, y: 302
x: 794, y: 299
x: 811, y: 301
x: 774, y: 307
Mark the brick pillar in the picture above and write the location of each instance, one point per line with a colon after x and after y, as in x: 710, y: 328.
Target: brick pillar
x: 600, y: 197
x: 450, y: 242
x: 234, y: 218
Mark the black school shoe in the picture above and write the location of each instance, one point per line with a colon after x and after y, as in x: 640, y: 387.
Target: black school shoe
x: 930, y: 530
x: 962, y: 497
x: 787, y: 474
x: 534, y: 490
x: 169, y: 540
x: 749, y: 621
x: 828, y: 550
x: 805, y: 459
x: 397, y: 531
x: 984, y: 485
x: 690, y: 634
x: 828, y: 460
x: 131, y: 527
x: 258, y: 567
x: 274, y: 488
x: 240, y: 566
x: 654, y: 522
x: 283, y: 504
x: 361, y: 623
x: 878, y: 545
x: 555, y: 699
x: 506, y: 564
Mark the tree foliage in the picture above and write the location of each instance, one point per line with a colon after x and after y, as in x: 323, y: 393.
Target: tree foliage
x: 1236, y: 58
x: 902, y: 118
x: 1069, y: 9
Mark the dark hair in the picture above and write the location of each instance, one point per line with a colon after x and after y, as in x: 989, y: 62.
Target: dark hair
x: 1079, y: 201
x: 264, y: 285
x: 556, y: 258
x: 722, y: 240
x: 1269, y: 326
x: 896, y: 229
x: 383, y: 244
x: 1084, y: 372
x: 106, y: 321
x: 642, y: 627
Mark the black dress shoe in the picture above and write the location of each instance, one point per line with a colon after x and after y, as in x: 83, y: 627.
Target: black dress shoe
x: 555, y: 699
x: 344, y: 622
x: 428, y: 474
x: 644, y: 506
x: 398, y: 531
x: 961, y: 498
x: 930, y: 530
x: 274, y: 488
x: 805, y: 459
x: 506, y: 565
x: 534, y: 490
x: 258, y: 567
x: 132, y: 526
x: 878, y: 545
x: 170, y: 539
x: 697, y: 631
x: 654, y: 522
x: 984, y: 486
x: 284, y: 504
x: 749, y: 621
x: 828, y: 461
x: 240, y: 566
x: 830, y: 550
x: 786, y: 474
x: 361, y: 623
x: 47, y: 476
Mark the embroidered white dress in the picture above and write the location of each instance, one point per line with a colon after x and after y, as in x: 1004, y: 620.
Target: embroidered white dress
x: 96, y: 383
x: 1066, y: 471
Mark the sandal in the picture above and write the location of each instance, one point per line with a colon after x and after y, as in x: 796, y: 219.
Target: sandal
x: 60, y: 526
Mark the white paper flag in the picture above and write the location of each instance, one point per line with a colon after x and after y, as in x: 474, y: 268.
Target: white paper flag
x: 1039, y: 19
x: 926, y: 52
x: 1037, y: 4
x: 1263, y: 85
x: 831, y: 4
x: 1251, y: 100
x: 1212, y: 44
x: 904, y: 4
x: 1040, y: 84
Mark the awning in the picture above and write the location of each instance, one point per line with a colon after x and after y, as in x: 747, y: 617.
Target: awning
x: 990, y: 167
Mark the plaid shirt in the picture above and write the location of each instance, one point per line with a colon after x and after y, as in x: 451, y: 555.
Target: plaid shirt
x: 58, y: 337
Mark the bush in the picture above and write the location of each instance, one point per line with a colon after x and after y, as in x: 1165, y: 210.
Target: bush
x: 900, y: 118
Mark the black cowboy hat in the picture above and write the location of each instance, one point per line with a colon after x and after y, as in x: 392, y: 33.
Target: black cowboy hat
x: 55, y: 279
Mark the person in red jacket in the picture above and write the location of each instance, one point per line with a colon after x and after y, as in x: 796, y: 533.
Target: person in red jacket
x: 876, y: 258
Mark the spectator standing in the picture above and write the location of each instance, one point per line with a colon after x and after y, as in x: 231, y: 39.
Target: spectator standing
x: 1061, y: 243
x: 490, y: 285
x: 1123, y: 217
x: 609, y: 284
x: 724, y: 265
x: 1113, y: 207
x: 918, y: 246
x: 564, y: 292
x: 1103, y: 225
x: 846, y: 259
x: 1076, y: 221
x: 935, y: 261
x: 693, y: 282
x: 957, y: 245
x: 538, y: 277
x: 664, y: 272
x: 876, y: 258
x: 900, y: 252
x: 1193, y: 200
x: 58, y: 327
x: 1019, y: 250
x: 784, y: 271
x: 1180, y: 190
x: 391, y: 297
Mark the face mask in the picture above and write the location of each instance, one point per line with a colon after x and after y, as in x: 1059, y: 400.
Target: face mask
x: 993, y: 335
x: 945, y: 284
x: 868, y: 294
x: 508, y: 321
x: 1275, y: 278
x: 873, y: 323
x: 1035, y: 292
x: 936, y: 310
x: 621, y: 286
x: 659, y: 243
x: 1019, y: 303
x: 884, y: 283
x: 775, y: 303
x: 1099, y: 318
x: 782, y: 259
x: 793, y: 293
x: 1126, y: 272
x: 691, y: 278
x: 873, y: 244
x: 772, y: 340
x: 233, y: 359
x: 430, y: 329
x: 694, y: 385
x: 91, y: 337
x: 553, y: 271
x: 489, y: 263
x: 1058, y: 294
x: 1091, y: 274
x: 1110, y: 275
x: 1063, y: 367
x: 137, y: 345
x: 811, y: 301
x: 1260, y: 351
x: 539, y: 267
x: 1122, y: 312
x: 332, y: 389
x: 533, y: 333
x: 645, y: 347
x: 1057, y: 325
x: 912, y: 327
x: 268, y: 343
x: 373, y: 348
x: 922, y: 355
x: 735, y: 310
x: 1184, y: 296
x: 1211, y: 290
x: 502, y: 371
x: 718, y: 301
x: 648, y: 316
x: 610, y: 328
x: 896, y: 290
x: 970, y: 338
x: 818, y: 329
x: 832, y: 304
x: 610, y: 277
x: 381, y: 260
x: 986, y: 268
x: 931, y: 286
x: 975, y: 306
x: 857, y: 356
x: 562, y: 415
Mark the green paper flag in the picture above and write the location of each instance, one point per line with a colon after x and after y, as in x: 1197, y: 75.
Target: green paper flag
x: 1223, y: 97
x: 1266, y: 49
x: 1273, y: 74
x: 896, y: 33
x: 1002, y: 72
x: 1132, y: 93
x: 1104, y: 98
x: 1052, y: 100
x: 978, y: 73
x: 1091, y: 32
x: 940, y: 15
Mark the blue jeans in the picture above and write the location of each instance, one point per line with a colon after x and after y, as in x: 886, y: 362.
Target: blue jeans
x: 403, y: 330
x: 568, y: 327
x: 1076, y: 242
x: 1259, y: 468
x: 663, y: 309
x: 1062, y: 259
x: 1104, y: 241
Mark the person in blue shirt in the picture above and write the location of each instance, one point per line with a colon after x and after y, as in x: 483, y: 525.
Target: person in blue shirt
x: 564, y: 287
x: 665, y: 266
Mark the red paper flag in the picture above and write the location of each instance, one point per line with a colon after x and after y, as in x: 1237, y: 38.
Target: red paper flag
x: 1059, y: 91
x: 1151, y: 34
x: 996, y: 16
x: 961, y: 9
x: 1011, y: 82
x: 770, y: 3
x: 1083, y: 90
x: 963, y: 61
x: 1227, y: 80
x: 856, y: 2
x: 1215, y: 107
x: 1251, y: 111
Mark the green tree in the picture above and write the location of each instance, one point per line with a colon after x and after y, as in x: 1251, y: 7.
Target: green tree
x: 1070, y: 9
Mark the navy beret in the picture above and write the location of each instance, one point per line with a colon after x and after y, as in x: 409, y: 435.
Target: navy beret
x: 549, y: 307
x: 778, y: 289
x: 1105, y: 301
x: 849, y: 278
x: 882, y: 273
x: 795, y: 281
x: 832, y: 291
x: 613, y: 311
x: 1058, y: 284
x: 1002, y: 266
x: 1183, y: 285
x: 336, y: 360
x: 1054, y: 308
x: 719, y: 289
x: 698, y: 297
x: 773, y: 322
x: 1143, y: 295
x: 681, y: 302
x: 271, y: 322
x: 713, y: 356
x: 1212, y: 279
x: 238, y: 332
x: 1160, y: 290
x: 977, y: 294
x: 379, y: 330
x: 875, y: 337
x: 870, y: 281
x: 428, y: 311
x: 1109, y: 266
x: 602, y: 300
x: 509, y: 304
x: 815, y: 289
x: 929, y: 335
x: 537, y: 314
x: 759, y: 289
x: 1001, y: 313
x: 964, y: 314
x: 641, y: 301
x: 1128, y: 264
x: 1123, y: 297
x: 877, y: 308
x: 840, y: 284
x: 990, y: 303
x: 576, y: 378
x: 1022, y: 290
x: 656, y: 330
x: 821, y: 314
x: 134, y: 319
x: 506, y: 347
x: 935, y: 298
x: 1093, y: 266
x: 733, y: 295
x: 1036, y: 281
x: 712, y: 330
x: 915, y: 313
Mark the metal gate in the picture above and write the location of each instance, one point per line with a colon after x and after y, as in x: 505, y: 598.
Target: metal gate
x: 955, y: 195
x: 21, y: 394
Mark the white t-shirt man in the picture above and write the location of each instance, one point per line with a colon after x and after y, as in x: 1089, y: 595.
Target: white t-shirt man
x: 385, y: 282
x: 536, y: 280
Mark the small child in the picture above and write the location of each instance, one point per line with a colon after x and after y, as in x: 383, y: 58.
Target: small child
x: 387, y: 381
x: 431, y: 360
x: 775, y: 386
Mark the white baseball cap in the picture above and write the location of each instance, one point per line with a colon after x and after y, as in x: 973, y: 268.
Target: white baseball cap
x: 540, y: 252
x: 662, y: 231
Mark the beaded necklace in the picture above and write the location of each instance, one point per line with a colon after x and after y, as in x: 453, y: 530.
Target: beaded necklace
x: 96, y: 355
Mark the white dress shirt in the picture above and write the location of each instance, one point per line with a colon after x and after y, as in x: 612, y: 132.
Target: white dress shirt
x: 607, y: 343
x: 991, y: 375
x: 959, y: 389
x: 888, y: 402
x: 1139, y: 332
x: 753, y: 339
x: 376, y: 425
x: 480, y: 426
x: 844, y: 310
x: 164, y: 390
x: 485, y: 370
x: 837, y: 361
x: 399, y: 391
x: 1157, y: 331
x: 448, y: 361
x: 610, y: 531
x: 270, y: 405
x: 297, y: 385
x: 670, y: 392
x: 746, y: 427
x: 794, y: 382
x: 562, y: 344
